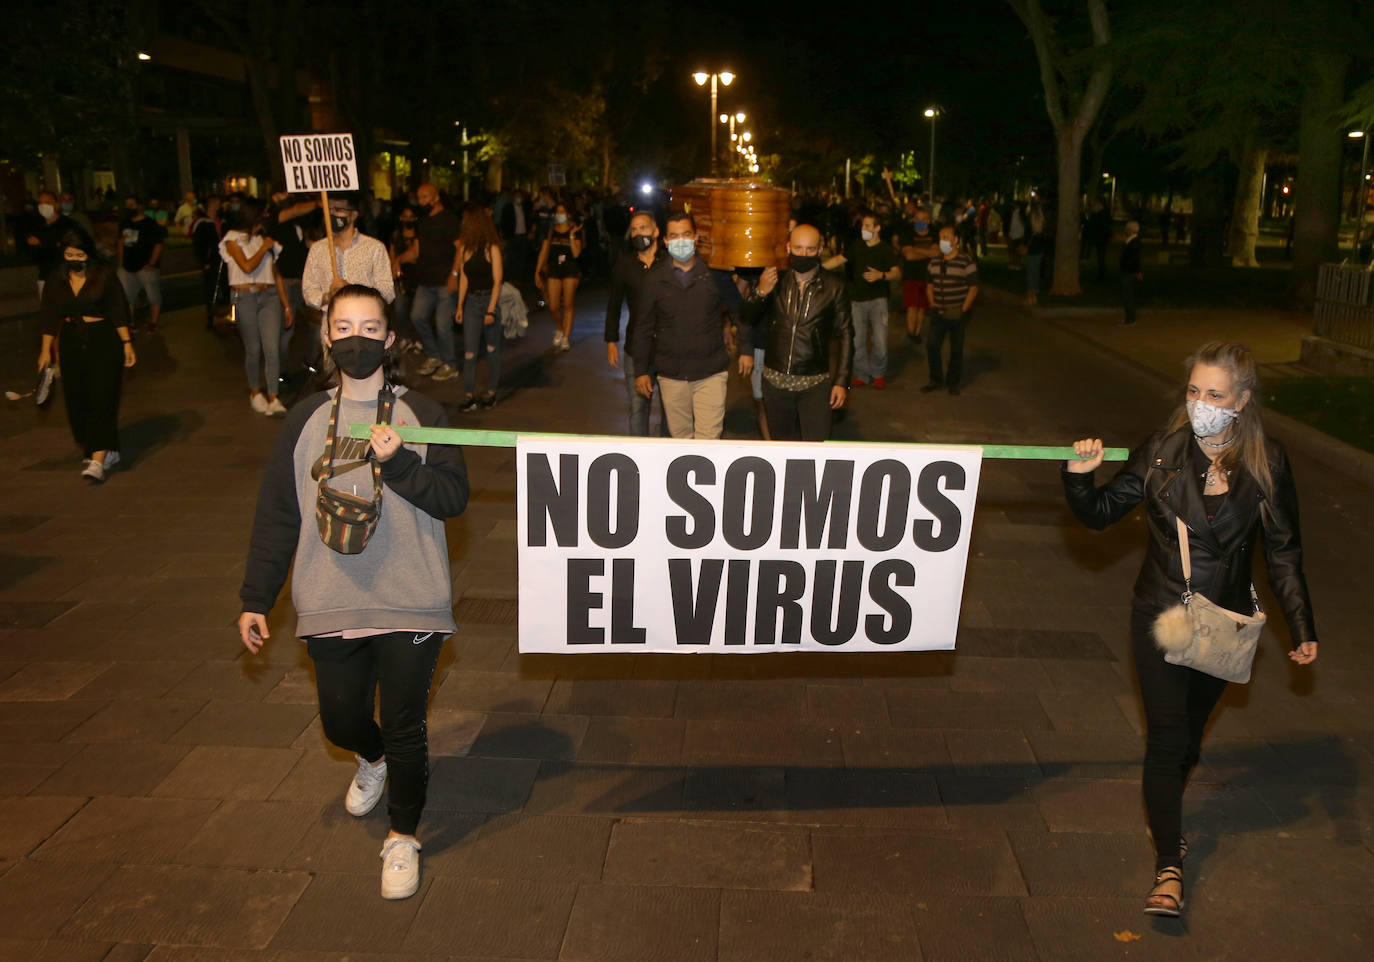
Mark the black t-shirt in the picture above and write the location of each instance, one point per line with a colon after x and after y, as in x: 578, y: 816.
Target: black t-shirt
x: 290, y: 234
x: 437, y: 234
x: 861, y: 257
x: 140, y: 237
x: 928, y: 243
x: 47, y: 255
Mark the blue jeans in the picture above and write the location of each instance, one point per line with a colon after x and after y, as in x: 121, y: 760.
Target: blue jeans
x: 640, y: 405
x: 479, y: 337
x: 870, y: 338
x: 257, y: 314
x: 432, y: 314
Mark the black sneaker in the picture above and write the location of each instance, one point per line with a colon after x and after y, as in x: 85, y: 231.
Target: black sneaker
x: 469, y: 404
x: 932, y: 386
x: 488, y: 400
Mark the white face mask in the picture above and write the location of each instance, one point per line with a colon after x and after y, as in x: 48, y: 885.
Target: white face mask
x: 46, y: 210
x: 1208, y: 420
x: 867, y: 234
x: 946, y: 247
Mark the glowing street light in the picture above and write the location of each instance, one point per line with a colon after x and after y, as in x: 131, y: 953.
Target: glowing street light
x: 144, y: 56
x: 727, y: 78
x: 931, y: 114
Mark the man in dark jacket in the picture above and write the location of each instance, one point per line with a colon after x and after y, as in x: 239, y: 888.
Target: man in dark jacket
x: 682, y: 334
x: 629, y: 281
x: 805, y: 309
x: 42, y: 241
x: 1131, y: 275
x: 206, y: 231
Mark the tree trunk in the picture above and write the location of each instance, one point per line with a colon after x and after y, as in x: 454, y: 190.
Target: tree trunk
x: 1067, y: 227
x: 1317, y: 196
x: 1246, y: 212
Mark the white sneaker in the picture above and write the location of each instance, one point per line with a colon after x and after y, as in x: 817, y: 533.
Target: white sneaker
x: 400, y: 868
x: 258, y: 402
x: 365, y: 791
x: 94, y: 472
x: 111, y: 459
x: 428, y: 366
x: 446, y: 372
x: 275, y: 409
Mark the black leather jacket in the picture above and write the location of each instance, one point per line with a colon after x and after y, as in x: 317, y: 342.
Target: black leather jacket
x: 1161, y: 473
x: 794, y: 325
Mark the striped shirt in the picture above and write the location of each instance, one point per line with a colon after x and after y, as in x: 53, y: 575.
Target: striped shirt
x: 950, y: 278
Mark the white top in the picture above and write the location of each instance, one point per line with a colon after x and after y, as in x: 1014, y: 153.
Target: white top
x: 364, y: 261
x: 249, y: 245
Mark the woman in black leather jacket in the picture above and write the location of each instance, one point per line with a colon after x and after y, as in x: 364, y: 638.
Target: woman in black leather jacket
x: 1213, y: 467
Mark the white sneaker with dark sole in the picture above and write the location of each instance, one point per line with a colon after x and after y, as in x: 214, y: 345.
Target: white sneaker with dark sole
x: 365, y: 791
x: 94, y: 472
x: 400, y: 868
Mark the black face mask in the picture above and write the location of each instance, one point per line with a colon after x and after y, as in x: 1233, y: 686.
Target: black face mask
x: 358, y: 356
x: 76, y: 267
x: 803, y: 265
x: 641, y: 242
x: 338, y: 221
x: 425, y: 209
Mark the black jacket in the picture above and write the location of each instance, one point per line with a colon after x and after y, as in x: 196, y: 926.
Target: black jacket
x: 1130, y: 256
x: 628, y: 282
x: 681, y: 330
x: 1160, y: 472
x: 795, y: 326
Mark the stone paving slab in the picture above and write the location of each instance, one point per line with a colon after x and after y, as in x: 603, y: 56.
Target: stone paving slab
x: 132, y: 769
x: 143, y: 830
x: 607, y: 924
x: 506, y: 917
x: 249, y: 834
x: 228, y: 772
x: 550, y: 848
x: 27, y: 820
x: 709, y: 855
x: 36, y: 898
x: 196, y: 906
x: 777, y: 926
x: 946, y: 863
x: 344, y: 913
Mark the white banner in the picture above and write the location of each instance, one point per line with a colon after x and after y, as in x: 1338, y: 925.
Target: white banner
x: 639, y: 544
x: 319, y: 162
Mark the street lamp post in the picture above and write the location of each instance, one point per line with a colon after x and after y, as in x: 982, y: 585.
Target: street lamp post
x: 731, y: 119
x: 931, y: 114
x: 726, y: 78
x: 1358, y: 201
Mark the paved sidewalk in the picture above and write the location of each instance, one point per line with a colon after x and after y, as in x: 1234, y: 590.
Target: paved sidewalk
x: 168, y: 797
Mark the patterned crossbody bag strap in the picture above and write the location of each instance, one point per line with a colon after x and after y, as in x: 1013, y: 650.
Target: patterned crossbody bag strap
x: 386, y: 402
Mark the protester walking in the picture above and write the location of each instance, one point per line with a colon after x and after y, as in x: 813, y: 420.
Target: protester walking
x: 1212, y: 475
x: 84, y: 320
x: 953, y: 289
x: 629, y: 278
x: 405, y: 251
x: 43, y: 238
x: 796, y: 323
x: 918, y: 245
x: 262, y: 306
x: 358, y: 259
x: 371, y: 585
x: 1131, y: 275
x: 138, y: 253
x: 481, y: 272
x: 871, y: 265
x: 436, y: 284
x: 1036, y: 246
x: 557, y: 265
x: 681, y: 334
x: 207, y: 230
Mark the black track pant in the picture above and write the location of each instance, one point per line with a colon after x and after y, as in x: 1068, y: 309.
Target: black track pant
x: 349, y: 673
x: 1178, y: 702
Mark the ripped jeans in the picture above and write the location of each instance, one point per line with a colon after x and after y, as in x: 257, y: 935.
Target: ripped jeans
x: 479, y: 338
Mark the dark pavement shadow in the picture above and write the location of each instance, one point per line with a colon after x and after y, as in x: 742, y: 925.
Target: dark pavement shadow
x: 141, y: 438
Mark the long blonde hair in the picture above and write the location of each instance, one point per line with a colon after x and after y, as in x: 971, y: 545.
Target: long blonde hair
x: 1248, y: 451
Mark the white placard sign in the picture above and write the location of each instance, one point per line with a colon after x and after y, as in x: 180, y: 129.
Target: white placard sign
x: 319, y: 162
x: 639, y: 544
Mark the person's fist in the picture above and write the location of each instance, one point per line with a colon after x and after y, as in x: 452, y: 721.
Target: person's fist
x: 768, y: 280
x: 1087, y: 456
x: 253, y: 630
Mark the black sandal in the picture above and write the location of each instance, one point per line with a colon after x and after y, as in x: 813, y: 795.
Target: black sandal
x: 1162, y: 903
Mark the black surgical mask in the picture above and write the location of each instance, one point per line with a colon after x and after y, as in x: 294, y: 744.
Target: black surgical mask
x: 338, y: 221
x: 358, y: 356
x: 641, y: 242
x: 425, y: 209
x: 76, y: 267
x: 803, y: 264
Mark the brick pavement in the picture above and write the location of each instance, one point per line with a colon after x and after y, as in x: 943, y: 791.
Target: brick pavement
x: 168, y: 797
